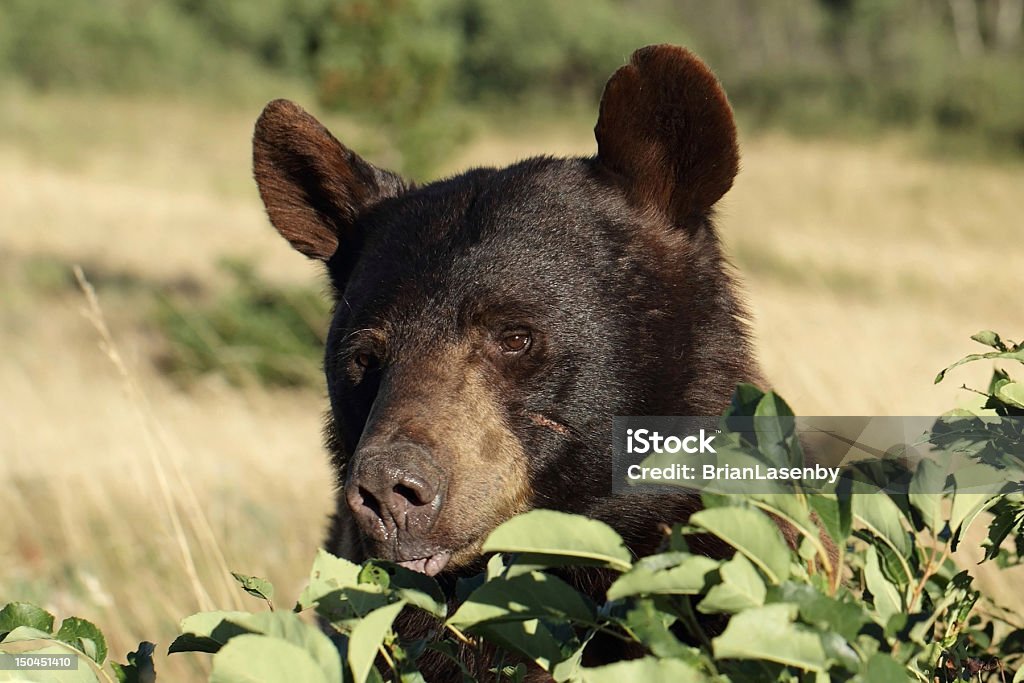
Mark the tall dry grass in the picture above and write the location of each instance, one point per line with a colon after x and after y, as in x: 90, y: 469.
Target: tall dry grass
x: 126, y: 498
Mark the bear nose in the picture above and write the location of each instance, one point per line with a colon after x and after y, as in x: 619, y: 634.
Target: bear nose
x: 394, y: 490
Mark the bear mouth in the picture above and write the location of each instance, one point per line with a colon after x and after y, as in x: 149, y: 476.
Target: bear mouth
x: 431, y: 565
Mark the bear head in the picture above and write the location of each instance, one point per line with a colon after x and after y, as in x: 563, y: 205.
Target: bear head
x: 488, y: 326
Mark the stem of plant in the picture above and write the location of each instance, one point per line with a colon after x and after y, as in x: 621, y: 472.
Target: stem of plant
x: 460, y: 635
x: 691, y: 622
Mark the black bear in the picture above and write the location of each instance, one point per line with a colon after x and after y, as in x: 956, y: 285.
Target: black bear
x: 488, y: 326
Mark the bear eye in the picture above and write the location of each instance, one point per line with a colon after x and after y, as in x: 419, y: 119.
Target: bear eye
x: 366, y: 360
x: 515, y: 342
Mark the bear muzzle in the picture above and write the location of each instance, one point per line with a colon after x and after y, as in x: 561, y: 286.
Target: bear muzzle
x: 396, y: 492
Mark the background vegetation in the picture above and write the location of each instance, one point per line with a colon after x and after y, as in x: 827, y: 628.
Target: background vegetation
x: 950, y: 67
x: 172, y: 433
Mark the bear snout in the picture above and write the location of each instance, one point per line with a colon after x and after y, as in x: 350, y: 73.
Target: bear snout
x: 395, y: 493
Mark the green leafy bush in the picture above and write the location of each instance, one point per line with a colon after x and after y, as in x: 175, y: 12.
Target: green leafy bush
x: 866, y: 592
x: 117, y: 46
x: 416, y: 68
x: 28, y: 630
x: 251, y: 332
x: 533, y: 48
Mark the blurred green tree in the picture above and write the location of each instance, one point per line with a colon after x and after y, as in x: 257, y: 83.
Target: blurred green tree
x: 414, y: 67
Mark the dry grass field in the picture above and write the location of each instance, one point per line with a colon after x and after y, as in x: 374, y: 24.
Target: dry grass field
x: 125, y: 497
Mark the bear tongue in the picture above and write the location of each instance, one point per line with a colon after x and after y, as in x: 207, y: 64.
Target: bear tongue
x: 431, y: 566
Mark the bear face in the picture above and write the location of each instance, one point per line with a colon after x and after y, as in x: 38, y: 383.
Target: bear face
x: 487, y: 327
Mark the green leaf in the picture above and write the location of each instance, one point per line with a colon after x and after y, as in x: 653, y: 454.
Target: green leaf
x: 1012, y: 393
x: 744, y: 400
x: 1003, y: 522
x: 527, y: 596
x: 796, y: 511
x: 769, y: 633
x: 254, y: 658
x: 404, y: 657
x: 83, y: 635
x: 367, y: 637
x: 569, y: 668
x: 646, y: 669
x: 25, y: 640
x: 22, y: 633
x: 373, y: 573
x: 774, y: 424
x: 17, y: 614
x: 999, y: 378
x: 289, y: 627
x: 887, y: 598
x: 652, y: 625
x: 140, y: 668
x: 882, y: 668
x: 552, y: 534
x: 672, y: 573
x: 753, y: 534
x: 839, y: 651
x: 418, y: 589
x: 741, y: 588
x: 834, y: 513
x: 879, y: 513
x: 895, y: 567
x: 823, y: 612
x: 329, y: 573
x: 926, y: 487
x: 256, y: 587
x: 990, y: 338
x: 206, y: 631
x: 189, y: 642
x: 1017, y: 355
x: 967, y: 505
x: 530, y: 638
x: 346, y: 606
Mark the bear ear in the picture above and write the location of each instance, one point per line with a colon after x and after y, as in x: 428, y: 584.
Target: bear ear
x: 314, y: 187
x: 667, y: 132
